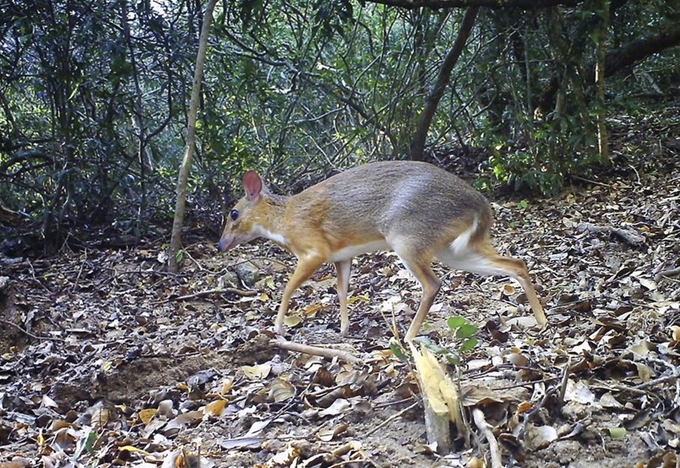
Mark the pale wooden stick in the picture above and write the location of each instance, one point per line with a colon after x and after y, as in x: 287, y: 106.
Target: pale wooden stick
x: 480, y: 422
x: 282, y: 343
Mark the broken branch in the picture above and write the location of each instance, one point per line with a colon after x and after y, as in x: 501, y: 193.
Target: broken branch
x: 282, y: 343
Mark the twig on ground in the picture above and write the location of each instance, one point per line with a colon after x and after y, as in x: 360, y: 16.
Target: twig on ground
x: 485, y: 428
x: 30, y: 265
x: 628, y: 235
x: 282, y: 343
x: 634, y: 390
x: 564, y: 380
x: 534, y: 411
x: 390, y: 419
x: 668, y: 274
x: 239, y: 292
x: 637, y: 174
x: 200, y: 267
x: 28, y: 333
x: 393, y: 402
x: 528, y: 383
x: 590, y: 181
x: 675, y: 373
x: 80, y: 272
x: 651, y: 383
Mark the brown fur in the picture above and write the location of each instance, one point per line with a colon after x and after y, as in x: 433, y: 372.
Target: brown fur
x: 414, y: 208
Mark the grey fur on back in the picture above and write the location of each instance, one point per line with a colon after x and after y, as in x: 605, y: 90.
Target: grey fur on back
x: 415, y: 198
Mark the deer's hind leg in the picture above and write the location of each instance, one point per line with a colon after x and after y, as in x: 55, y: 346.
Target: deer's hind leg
x: 483, y: 259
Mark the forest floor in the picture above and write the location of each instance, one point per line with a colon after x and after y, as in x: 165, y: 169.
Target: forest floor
x: 107, y: 359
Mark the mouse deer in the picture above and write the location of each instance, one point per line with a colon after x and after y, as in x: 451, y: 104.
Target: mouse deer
x: 416, y: 209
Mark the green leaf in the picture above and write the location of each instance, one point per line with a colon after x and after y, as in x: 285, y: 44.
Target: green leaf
x: 469, y: 345
x: 397, y: 351
x: 453, y: 359
x: 456, y: 322
x: 89, y: 444
x: 75, y: 91
x: 466, y: 331
x: 181, y: 255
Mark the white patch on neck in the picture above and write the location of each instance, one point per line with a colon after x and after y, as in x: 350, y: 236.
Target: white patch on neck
x: 273, y: 236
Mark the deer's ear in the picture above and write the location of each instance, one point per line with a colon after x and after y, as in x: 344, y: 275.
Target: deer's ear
x: 252, y: 183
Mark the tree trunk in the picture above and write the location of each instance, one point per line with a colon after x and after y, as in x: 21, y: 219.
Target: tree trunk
x: 137, y: 119
x: 600, y: 82
x: 182, y: 179
x: 418, y: 144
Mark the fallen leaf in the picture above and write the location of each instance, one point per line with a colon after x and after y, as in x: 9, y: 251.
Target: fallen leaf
x: 188, y: 418
x: 579, y: 393
x: 146, y: 415
x: 280, y: 390
x: 215, y: 408
x: 339, y: 406
x: 608, y: 401
x: 311, y: 311
x: 538, y: 437
x: 644, y: 372
x: 258, y: 426
x: 617, y: 432
x: 327, y: 435
x: 250, y: 443
x: 48, y: 402
x: 286, y: 457
x: 130, y: 448
x: 258, y: 371
x: 641, y: 348
x: 508, y: 290
x: 354, y: 299
x: 292, y: 321
x: 648, y: 283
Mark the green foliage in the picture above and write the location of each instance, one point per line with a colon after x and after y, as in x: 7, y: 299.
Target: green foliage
x: 398, y: 351
x: 465, y: 335
x: 89, y: 444
x: 462, y: 340
x: 539, y: 132
x: 181, y: 256
x: 332, y: 16
x: 94, y: 97
x: 86, y: 114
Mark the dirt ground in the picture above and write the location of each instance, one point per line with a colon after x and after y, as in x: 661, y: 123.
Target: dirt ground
x: 106, y: 359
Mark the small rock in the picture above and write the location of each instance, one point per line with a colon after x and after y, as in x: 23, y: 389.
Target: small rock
x: 247, y: 273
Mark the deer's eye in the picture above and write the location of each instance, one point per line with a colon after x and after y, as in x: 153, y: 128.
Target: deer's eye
x: 234, y: 215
